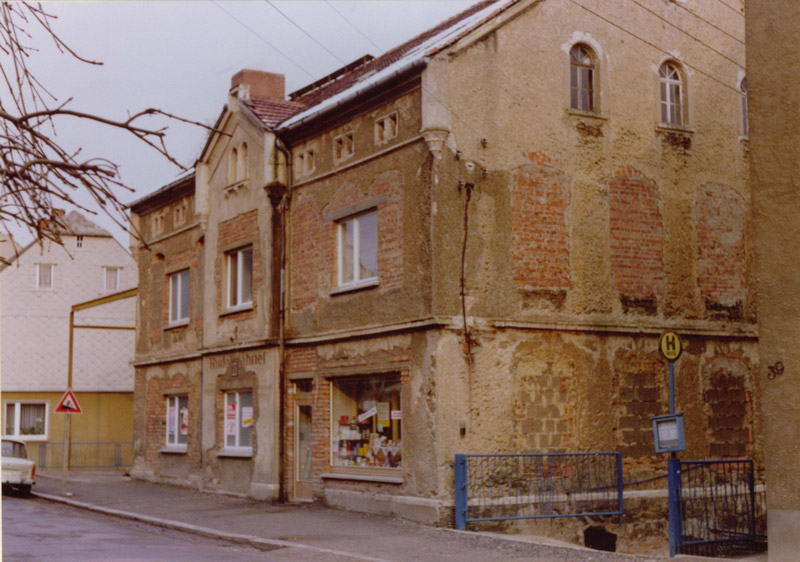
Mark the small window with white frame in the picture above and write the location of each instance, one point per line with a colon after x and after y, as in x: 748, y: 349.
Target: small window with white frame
x: 26, y: 420
x: 44, y: 276
x: 177, y: 433
x: 79, y: 241
x: 386, y: 128
x: 111, y: 279
x: 179, y: 298
x: 582, y: 78
x: 179, y: 215
x: 240, y: 278
x: 357, y: 240
x: 239, y: 419
x: 343, y: 147
x: 672, y: 94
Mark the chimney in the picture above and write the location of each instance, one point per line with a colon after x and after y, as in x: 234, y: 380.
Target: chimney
x: 248, y: 84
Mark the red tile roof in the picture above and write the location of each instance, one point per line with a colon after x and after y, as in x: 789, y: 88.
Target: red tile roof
x: 271, y: 113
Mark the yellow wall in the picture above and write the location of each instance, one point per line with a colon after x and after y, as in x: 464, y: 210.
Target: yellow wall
x: 107, y: 416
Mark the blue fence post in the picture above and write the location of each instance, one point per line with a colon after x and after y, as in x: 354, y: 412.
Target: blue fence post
x: 620, y: 499
x: 674, y: 485
x: 461, y: 492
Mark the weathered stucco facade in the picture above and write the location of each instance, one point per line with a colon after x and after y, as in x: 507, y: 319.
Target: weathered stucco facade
x: 472, y: 264
x: 773, y: 53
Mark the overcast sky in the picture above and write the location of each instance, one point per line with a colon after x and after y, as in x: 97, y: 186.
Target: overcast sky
x: 180, y: 56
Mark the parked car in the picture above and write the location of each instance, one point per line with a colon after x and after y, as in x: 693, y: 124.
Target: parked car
x: 18, y: 472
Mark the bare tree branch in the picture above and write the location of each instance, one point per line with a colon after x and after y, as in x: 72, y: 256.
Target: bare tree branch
x: 38, y: 174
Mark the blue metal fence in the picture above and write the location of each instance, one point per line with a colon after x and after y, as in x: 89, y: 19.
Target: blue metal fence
x: 717, y: 511
x: 89, y: 454
x: 537, y: 485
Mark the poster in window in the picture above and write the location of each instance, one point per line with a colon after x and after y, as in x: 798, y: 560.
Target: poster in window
x: 230, y: 420
x: 247, y: 416
x: 383, y: 413
x: 171, y: 421
x: 184, y: 421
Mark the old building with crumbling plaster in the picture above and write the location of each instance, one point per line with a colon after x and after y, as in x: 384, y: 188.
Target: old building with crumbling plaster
x: 471, y: 243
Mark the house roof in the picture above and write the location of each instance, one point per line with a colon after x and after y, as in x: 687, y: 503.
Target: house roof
x: 162, y: 192
x: 368, y: 73
x: 75, y: 224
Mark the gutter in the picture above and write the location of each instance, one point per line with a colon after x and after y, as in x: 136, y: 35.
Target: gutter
x: 346, y: 97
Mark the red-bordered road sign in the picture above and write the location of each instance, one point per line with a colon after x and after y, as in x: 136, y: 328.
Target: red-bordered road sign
x: 68, y: 404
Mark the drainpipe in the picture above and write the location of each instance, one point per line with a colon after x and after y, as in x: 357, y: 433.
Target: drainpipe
x: 283, y: 209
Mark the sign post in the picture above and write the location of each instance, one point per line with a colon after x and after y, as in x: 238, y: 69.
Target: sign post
x: 67, y: 405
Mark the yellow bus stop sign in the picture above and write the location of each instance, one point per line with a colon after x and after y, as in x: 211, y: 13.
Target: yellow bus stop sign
x: 670, y: 346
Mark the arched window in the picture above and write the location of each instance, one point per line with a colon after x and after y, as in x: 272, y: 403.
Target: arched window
x: 581, y: 78
x: 241, y: 164
x: 743, y: 89
x: 671, y: 94
x: 233, y: 157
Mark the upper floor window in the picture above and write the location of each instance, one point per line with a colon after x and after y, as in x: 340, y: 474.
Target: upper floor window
x: 343, y: 146
x: 179, y: 215
x: 358, y: 250
x: 240, y: 277
x: 25, y: 420
x: 671, y: 89
x: 581, y: 78
x: 79, y: 241
x: 241, y: 163
x: 745, y: 124
x: 157, y: 224
x: 386, y: 128
x: 44, y: 276
x: 179, y: 297
x: 233, y: 159
x: 111, y: 279
x: 305, y: 162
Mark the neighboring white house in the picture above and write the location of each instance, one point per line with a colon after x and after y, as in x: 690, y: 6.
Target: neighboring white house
x: 38, y: 287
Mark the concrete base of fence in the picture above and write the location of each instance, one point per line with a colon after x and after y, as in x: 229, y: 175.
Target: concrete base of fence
x: 421, y: 510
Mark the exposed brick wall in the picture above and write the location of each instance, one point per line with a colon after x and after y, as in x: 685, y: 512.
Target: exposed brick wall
x: 638, y: 380
x: 158, y: 388
x: 720, y: 244
x: 729, y: 409
x: 637, y: 264
x: 313, y: 243
x: 243, y: 227
x: 539, y: 224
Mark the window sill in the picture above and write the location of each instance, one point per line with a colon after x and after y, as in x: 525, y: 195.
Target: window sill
x: 26, y: 438
x: 362, y: 477
x: 584, y: 113
x: 237, y: 309
x: 174, y: 325
x: 367, y: 284
x: 235, y: 453
x: 173, y: 450
x: 675, y: 128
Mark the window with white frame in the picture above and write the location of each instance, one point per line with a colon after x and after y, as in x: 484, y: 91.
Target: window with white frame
x: 179, y: 297
x: 25, y: 420
x: 671, y: 89
x: 745, y: 124
x: 111, y: 279
x: 157, y: 224
x: 240, y: 277
x: 358, y: 250
x: 177, y: 421
x: 305, y: 162
x: 79, y: 241
x: 343, y: 146
x: 581, y: 77
x: 386, y: 128
x: 239, y: 420
x: 44, y: 276
x: 179, y: 215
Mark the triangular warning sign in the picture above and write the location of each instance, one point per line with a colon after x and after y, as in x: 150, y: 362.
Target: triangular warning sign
x: 68, y: 404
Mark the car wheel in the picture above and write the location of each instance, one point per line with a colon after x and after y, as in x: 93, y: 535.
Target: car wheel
x: 24, y: 489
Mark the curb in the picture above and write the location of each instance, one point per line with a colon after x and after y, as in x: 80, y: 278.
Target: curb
x: 259, y: 543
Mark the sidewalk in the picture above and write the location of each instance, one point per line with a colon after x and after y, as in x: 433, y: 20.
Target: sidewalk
x: 326, y: 534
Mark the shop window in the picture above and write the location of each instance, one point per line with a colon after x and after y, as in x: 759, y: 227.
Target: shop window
x: 240, y: 278
x: 672, y: 95
x: 582, y: 77
x: 177, y: 421
x: 343, y: 146
x: 386, y: 128
x: 358, y: 250
x: 239, y: 420
x: 111, y: 279
x: 179, y: 297
x: 44, y: 276
x: 367, y: 422
x: 26, y: 420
